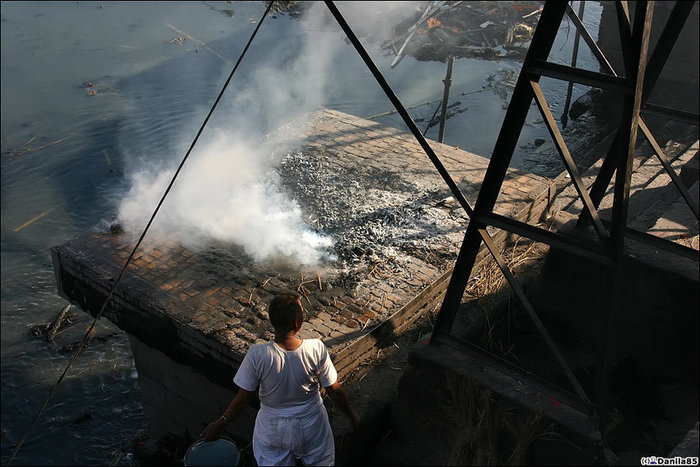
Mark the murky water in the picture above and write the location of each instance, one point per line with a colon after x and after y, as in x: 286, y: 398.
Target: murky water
x: 91, y: 90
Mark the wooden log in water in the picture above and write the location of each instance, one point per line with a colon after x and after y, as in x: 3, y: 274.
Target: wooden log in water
x: 35, y: 219
x: 51, y: 334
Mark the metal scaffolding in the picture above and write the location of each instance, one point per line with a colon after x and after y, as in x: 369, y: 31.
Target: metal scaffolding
x: 642, y: 69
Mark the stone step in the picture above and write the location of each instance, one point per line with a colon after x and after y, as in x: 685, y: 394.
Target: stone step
x: 567, y: 198
x: 691, y: 170
x: 678, y: 223
x: 652, y: 191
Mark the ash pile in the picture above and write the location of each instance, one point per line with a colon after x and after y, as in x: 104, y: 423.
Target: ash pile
x: 380, y: 222
x: 375, y: 193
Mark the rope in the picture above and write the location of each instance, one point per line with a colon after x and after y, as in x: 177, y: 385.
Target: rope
x: 138, y: 243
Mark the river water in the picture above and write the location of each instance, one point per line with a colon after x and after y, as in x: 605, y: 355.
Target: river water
x: 91, y: 91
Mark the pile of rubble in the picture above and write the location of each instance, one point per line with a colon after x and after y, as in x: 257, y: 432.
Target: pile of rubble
x: 467, y: 29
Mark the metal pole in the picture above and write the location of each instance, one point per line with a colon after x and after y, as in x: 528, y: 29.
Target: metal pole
x: 574, y: 57
x: 637, y: 58
x: 640, y: 39
x: 446, y: 96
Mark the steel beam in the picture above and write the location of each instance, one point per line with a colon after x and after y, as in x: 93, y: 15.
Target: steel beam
x: 577, y: 75
x: 638, y: 53
x: 547, y: 237
x: 658, y: 59
x: 625, y: 31
x: 568, y: 161
x: 520, y: 293
x: 640, y: 45
x: 667, y: 166
x: 661, y: 244
x: 671, y: 114
x: 592, y: 44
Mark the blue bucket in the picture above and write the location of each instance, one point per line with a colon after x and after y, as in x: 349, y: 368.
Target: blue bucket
x: 222, y: 451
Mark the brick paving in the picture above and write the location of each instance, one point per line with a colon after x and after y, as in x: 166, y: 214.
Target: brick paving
x: 206, y: 307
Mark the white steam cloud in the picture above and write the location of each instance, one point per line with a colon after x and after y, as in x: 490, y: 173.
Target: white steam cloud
x: 228, y: 189
x: 222, y: 195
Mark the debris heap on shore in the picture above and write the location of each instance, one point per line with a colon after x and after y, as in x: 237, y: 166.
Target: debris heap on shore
x: 466, y: 29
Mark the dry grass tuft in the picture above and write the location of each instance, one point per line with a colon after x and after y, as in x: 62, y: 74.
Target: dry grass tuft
x: 489, y: 432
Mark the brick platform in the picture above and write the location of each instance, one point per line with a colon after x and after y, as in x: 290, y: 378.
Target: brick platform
x: 204, y: 308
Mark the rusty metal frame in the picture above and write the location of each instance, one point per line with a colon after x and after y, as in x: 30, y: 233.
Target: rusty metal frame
x: 636, y: 59
x: 526, y: 90
x: 514, y: 119
x: 658, y: 58
x: 635, y: 41
x: 592, y: 44
x: 635, y: 63
x: 574, y: 57
x: 568, y: 161
x: 636, y: 52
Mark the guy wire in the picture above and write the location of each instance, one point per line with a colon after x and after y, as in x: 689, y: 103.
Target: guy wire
x: 138, y: 243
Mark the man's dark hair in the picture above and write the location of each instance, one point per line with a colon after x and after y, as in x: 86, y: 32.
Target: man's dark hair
x: 283, y: 310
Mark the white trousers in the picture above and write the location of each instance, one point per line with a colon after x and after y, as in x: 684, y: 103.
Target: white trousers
x: 279, y: 441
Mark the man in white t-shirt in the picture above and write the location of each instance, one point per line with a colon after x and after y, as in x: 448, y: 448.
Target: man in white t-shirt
x: 292, y: 422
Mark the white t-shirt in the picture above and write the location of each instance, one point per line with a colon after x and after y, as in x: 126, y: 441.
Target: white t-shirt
x: 288, y: 379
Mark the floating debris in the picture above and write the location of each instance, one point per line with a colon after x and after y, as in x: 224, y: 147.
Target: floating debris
x: 40, y: 329
x: 73, y: 346
x: 50, y: 330
x: 293, y: 8
x: 31, y: 221
x: 26, y: 148
x: 224, y: 11
x: 58, y: 323
x: 198, y: 43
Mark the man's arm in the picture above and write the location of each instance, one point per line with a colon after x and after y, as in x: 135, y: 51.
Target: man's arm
x: 213, y: 431
x: 337, y: 394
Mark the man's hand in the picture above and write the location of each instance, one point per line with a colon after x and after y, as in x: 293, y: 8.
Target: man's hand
x: 341, y: 400
x: 213, y: 431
